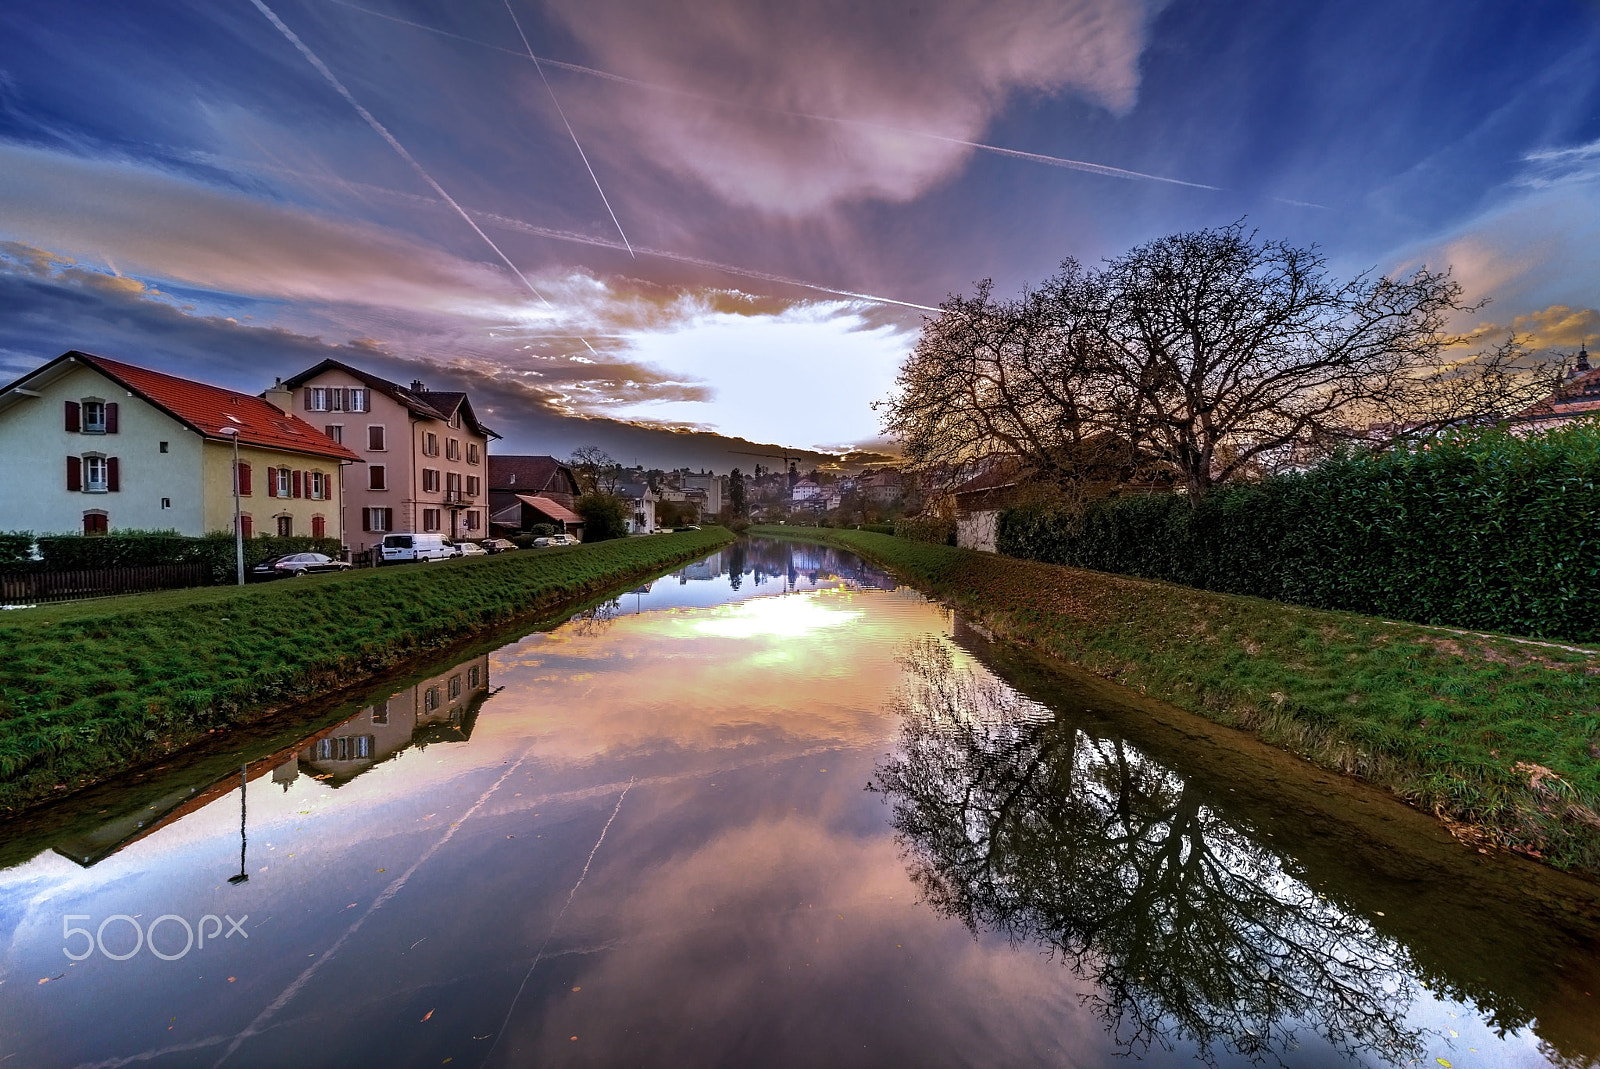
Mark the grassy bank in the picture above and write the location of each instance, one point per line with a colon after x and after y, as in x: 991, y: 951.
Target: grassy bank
x: 1499, y: 737
x: 91, y: 688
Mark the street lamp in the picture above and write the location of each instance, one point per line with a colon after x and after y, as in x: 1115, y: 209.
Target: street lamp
x: 238, y: 527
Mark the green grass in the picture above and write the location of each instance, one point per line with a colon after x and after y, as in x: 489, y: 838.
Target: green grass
x: 88, y: 689
x: 1499, y: 737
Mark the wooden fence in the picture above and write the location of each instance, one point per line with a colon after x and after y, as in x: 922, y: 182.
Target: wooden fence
x: 31, y: 587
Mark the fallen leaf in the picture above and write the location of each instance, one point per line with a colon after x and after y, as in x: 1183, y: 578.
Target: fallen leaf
x: 231, y: 979
x: 426, y: 1016
x: 577, y: 989
x: 1442, y: 1062
x: 574, y: 1039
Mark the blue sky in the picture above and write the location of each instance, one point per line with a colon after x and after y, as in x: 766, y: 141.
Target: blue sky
x: 181, y: 186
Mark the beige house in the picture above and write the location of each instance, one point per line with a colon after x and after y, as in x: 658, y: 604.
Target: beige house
x: 91, y: 445
x: 426, y: 453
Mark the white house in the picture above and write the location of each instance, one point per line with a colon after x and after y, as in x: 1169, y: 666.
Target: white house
x: 91, y: 445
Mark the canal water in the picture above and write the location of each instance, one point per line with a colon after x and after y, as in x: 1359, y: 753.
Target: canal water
x: 773, y: 809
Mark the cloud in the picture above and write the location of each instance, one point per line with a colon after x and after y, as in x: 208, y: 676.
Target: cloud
x: 153, y: 222
x: 942, y: 68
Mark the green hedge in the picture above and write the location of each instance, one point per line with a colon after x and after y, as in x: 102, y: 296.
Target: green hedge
x: 878, y: 528
x: 16, y: 547
x: 132, y: 549
x: 1478, y: 529
x: 927, y: 529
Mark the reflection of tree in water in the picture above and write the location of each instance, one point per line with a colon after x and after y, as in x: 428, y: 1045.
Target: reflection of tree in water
x: 596, y: 619
x: 736, y: 564
x: 1016, y: 822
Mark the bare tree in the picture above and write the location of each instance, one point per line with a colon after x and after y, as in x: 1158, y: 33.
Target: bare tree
x: 596, y: 471
x: 1213, y: 353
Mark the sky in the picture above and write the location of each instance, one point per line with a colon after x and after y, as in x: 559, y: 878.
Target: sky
x: 677, y: 229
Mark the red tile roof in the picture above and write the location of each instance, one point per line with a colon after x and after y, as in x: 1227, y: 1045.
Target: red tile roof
x: 209, y: 409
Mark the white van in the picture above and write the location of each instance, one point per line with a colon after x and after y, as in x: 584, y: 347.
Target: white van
x: 399, y: 547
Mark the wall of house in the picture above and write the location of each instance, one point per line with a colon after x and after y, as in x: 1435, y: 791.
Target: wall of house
x: 452, y: 520
x: 978, y: 530
x: 263, y: 508
x: 158, y: 491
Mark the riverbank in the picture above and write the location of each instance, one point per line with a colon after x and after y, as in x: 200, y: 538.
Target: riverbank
x: 89, y: 689
x: 1499, y: 737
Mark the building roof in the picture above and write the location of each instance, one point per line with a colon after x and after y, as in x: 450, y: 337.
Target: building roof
x: 1578, y: 396
x: 554, y: 509
x: 533, y: 474
x: 429, y: 404
x: 208, y: 410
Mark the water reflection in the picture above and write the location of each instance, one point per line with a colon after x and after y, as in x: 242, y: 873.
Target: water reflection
x: 1016, y: 821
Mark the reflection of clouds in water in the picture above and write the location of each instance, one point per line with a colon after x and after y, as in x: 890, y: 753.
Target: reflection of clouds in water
x: 1191, y: 930
x: 783, y: 617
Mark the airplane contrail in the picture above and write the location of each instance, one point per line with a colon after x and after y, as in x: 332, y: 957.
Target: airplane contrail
x: 639, y: 83
x: 523, y: 226
x: 562, y: 112
x: 383, y: 132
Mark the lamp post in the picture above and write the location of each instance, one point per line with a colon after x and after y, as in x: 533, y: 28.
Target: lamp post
x: 238, y: 527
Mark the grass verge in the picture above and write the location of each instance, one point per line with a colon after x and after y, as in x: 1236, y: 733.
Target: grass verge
x: 1498, y: 736
x: 91, y: 688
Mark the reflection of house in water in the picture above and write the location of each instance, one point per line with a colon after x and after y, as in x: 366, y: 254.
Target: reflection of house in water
x: 711, y: 567
x: 790, y: 560
x: 441, y: 708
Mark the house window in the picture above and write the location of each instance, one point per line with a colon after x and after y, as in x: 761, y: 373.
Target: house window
x: 474, y: 676
x: 247, y: 526
x: 375, y: 439
x: 375, y: 477
x: 345, y: 748
x: 94, y: 417
x: 241, y: 478
x: 452, y: 483
x: 452, y: 449
x: 377, y: 519
x: 281, y: 475
x: 472, y: 452
x: 430, y: 444
x: 455, y: 687
x: 319, y: 527
x: 430, y: 699
x: 473, y: 483
x: 358, y: 399
x: 380, y: 713
x: 94, y: 474
x: 471, y: 522
x: 96, y: 522
x: 285, y: 526
x: 166, y: 502
x: 163, y: 447
x: 430, y: 519
x: 430, y: 480
x: 335, y: 399
x: 335, y: 431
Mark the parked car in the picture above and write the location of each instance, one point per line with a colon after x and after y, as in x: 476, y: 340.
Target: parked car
x: 297, y: 564
x: 469, y: 549
x: 554, y: 540
x: 424, y: 547
x: 498, y: 545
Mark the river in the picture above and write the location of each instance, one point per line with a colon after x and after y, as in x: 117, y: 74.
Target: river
x: 773, y: 809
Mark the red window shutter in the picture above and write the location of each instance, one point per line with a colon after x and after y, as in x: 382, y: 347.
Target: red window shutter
x: 111, y: 417
x: 244, y: 479
x: 308, y: 399
x: 74, y: 418
x: 74, y: 471
x: 272, y: 482
x: 113, y: 475
x: 319, y: 527
x: 366, y: 519
x: 388, y: 519
x: 247, y: 525
x: 296, y: 481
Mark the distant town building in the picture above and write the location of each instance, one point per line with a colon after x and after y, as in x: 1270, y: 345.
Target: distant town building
x: 1576, y: 398
x: 715, y: 488
x: 426, y: 452
x: 90, y: 445
x: 642, y: 499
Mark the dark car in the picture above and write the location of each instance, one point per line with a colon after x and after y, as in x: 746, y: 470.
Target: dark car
x: 296, y: 564
x: 499, y: 545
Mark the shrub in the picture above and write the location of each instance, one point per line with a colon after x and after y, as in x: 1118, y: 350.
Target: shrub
x: 133, y: 549
x: 1480, y: 529
x: 541, y: 530
x: 605, y: 516
x: 927, y: 529
x: 16, y: 547
x: 878, y: 528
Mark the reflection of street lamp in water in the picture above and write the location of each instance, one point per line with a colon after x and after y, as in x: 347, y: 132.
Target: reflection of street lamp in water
x: 244, y: 780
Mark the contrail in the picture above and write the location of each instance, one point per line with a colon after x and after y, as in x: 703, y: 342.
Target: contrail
x: 639, y: 83
x: 524, y: 227
x: 562, y: 112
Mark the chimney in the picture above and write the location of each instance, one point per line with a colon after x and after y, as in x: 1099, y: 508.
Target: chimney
x: 417, y: 387
x: 280, y: 396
